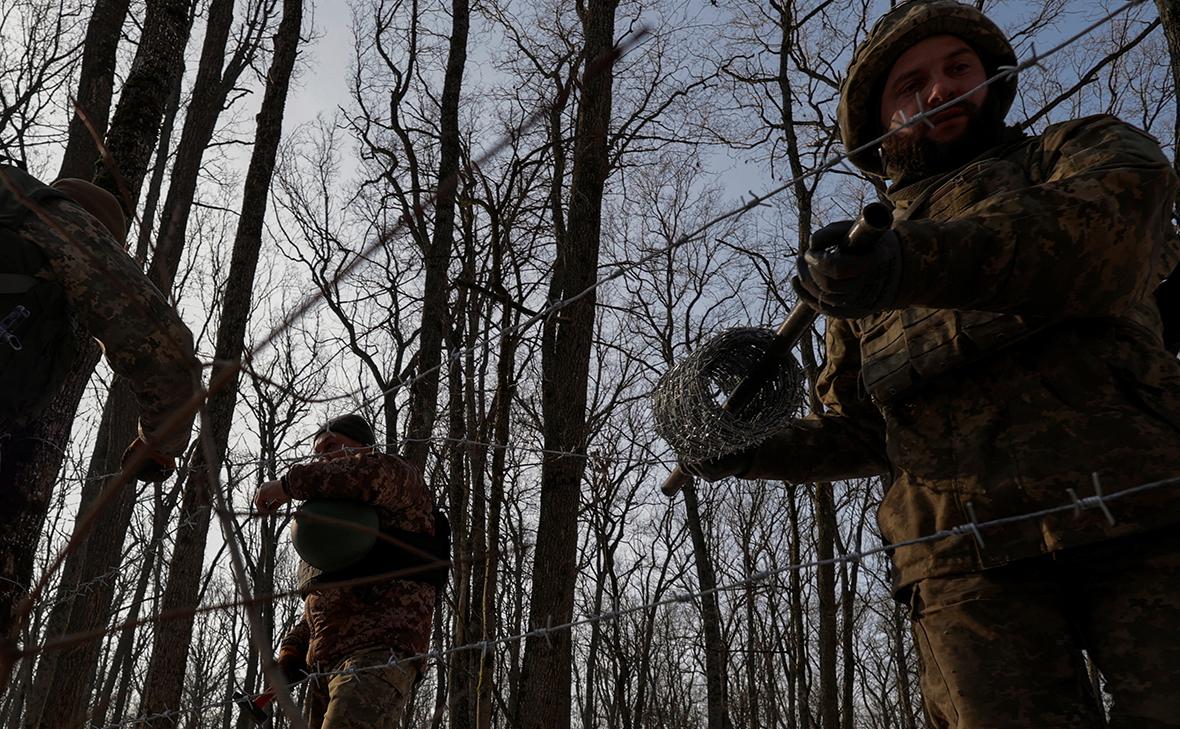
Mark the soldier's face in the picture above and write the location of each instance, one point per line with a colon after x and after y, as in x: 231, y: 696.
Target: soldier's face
x: 929, y: 74
x: 333, y: 445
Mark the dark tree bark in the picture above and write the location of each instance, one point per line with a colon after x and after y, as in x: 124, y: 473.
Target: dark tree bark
x: 565, y: 363
x: 435, y: 316
x: 135, y: 125
x: 798, y: 680
x: 825, y: 585
x: 715, y: 652
x: 95, y: 87
x: 1169, y: 11
x: 165, y: 680
x: 899, y: 626
x: 72, y: 685
x: 211, y: 88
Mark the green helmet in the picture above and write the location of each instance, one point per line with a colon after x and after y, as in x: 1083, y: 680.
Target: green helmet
x: 330, y: 534
x: 894, y: 33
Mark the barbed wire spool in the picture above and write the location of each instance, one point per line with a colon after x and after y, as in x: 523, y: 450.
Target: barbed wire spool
x: 688, y: 403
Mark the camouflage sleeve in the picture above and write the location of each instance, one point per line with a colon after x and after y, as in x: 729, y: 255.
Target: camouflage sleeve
x: 295, y: 643
x: 142, y: 336
x: 372, y: 478
x: 1084, y: 242
x: 846, y: 441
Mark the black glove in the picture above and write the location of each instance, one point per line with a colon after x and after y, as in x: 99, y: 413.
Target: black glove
x: 844, y: 283
x: 734, y: 464
x: 293, y: 664
x: 156, y: 466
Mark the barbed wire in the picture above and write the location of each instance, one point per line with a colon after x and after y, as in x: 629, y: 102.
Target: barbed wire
x: 220, y: 380
x: 226, y: 376
x: 755, y: 201
x: 1100, y: 501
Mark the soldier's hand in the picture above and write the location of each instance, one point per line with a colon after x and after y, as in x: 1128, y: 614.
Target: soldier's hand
x: 270, y: 496
x: 293, y: 665
x: 845, y: 283
x: 154, y: 467
x: 733, y: 464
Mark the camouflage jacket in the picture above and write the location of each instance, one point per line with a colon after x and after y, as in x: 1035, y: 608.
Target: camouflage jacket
x: 1062, y: 240
x: 395, y: 614
x: 109, y: 296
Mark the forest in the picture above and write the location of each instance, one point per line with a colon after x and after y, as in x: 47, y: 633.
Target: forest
x: 489, y: 227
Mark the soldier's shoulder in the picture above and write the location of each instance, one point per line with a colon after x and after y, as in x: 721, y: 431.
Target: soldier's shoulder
x: 1106, y: 125
x: 398, y: 467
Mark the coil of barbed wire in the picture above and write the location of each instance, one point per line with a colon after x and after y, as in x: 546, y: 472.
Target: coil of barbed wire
x: 688, y: 402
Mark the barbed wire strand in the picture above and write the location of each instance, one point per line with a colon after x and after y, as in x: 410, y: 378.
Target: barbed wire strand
x: 1077, y: 505
x: 227, y: 375
x: 622, y: 267
x: 220, y: 380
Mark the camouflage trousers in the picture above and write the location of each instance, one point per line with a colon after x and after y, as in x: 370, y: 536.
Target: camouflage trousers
x: 1003, y: 648
x: 368, y: 699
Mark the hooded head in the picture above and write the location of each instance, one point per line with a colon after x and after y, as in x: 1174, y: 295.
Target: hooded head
x: 98, y: 202
x: 898, y: 31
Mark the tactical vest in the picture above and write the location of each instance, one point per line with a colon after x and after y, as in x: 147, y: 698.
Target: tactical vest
x: 901, y: 349
x: 37, y: 344
x: 416, y: 556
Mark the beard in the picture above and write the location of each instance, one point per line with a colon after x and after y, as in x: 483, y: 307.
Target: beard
x: 909, y: 157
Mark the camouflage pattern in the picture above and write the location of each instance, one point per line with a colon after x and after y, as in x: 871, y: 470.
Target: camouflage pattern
x: 1119, y: 600
x: 394, y: 615
x: 143, y: 338
x: 374, y: 698
x: 894, y: 33
x: 1012, y: 428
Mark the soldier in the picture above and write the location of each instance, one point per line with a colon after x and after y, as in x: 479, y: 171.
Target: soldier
x: 368, y: 621
x: 65, y: 273
x: 997, y: 348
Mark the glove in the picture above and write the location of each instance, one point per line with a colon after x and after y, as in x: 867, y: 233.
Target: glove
x: 155, y: 468
x: 733, y: 464
x: 293, y: 665
x: 844, y: 283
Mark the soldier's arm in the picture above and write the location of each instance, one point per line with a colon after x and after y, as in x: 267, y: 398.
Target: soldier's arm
x: 846, y: 441
x: 293, y: 648
x: 371, y: 478
x: 143, y: 338
x: 1085, y: 242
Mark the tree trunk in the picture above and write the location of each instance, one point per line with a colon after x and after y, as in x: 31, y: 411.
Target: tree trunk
x: 799, y: 696
x: 900, y: 656
x: 135, y: 125
x: 565, y: 364
x: 71, y: 689
x: 95, y: 87
x: 210, y: 90
x: 1169, y: 11
x: 165, y: 679
x: 715, y: 683
x: 435, y: 317
x: 461, y: 701
x: 825, y: 586
x: 121, y: 663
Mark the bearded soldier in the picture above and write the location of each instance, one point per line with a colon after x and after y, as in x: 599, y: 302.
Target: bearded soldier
x: 997, y: 353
